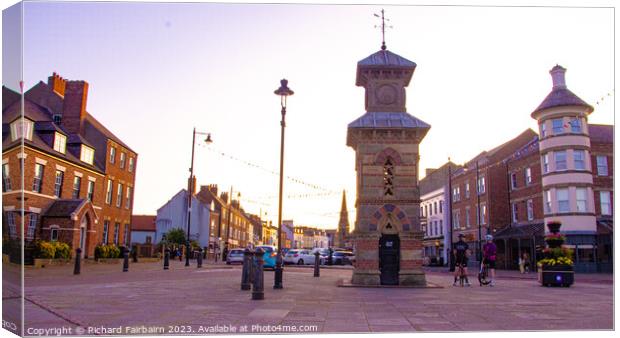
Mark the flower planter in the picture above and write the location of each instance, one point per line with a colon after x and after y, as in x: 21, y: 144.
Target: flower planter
x: 43, y: 262
x: 554, y: 227
x: 556, y: 275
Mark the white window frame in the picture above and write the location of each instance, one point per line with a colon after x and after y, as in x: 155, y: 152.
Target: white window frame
x: 60, y: 143
x: 558, y: 161
x: 131, y: 164
x: 481, y: 185
x: 581, y: 199
x: 119, y: 195
x: 467, y: 189
x: 112, y: 154
x: 37, y: 183
x: 557, y: 129
x: 90, y: 190
x: 561, y: 196
x: 34, y: 218
x: 10, y: 219
x: 602, y: 167
x: 87, y: 154
x: 6, y: 178
x: 575, y: 122
x: 108, y: 194
x: 515, y: 213
x: 543, y: 129
x: 547, y: 201
x: 483, y: 214
x: 528, y: 175
x: 581, y: 160
x: 128, y: 198
x: 530, y: 209
x: 513, y: 180
x: 605, y: 202
x: 455, y: 219
x: 545, y: 163
x: 122, y: 160
x: 57, y: 184
x: 54, y: 233
x: 76, y: 192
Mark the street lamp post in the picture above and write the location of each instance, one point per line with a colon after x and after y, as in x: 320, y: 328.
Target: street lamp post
x: 190, y: 189
x: 283, y: 92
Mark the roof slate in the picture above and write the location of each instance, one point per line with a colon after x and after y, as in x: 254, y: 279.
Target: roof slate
x: 388, y: 120
x: 561, y: 97
x: 386, y: 58
x: 600, y: 133
x: 143, y: 222
x: 64, y: 207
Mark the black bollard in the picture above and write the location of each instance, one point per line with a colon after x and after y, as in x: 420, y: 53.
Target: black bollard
x: 246, y: 272
x: 199, y: 258
x: 125, y: 259
x: 330, y: 259
x: 317, y: 260
x: 78, y: 257
x: 134, y: 254
x: 257, y: 283
x: 166, y: 258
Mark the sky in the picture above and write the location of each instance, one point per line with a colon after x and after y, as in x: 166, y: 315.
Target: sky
x: 157, y: 70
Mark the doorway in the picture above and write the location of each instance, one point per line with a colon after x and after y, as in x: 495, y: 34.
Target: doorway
x: 389, y: 259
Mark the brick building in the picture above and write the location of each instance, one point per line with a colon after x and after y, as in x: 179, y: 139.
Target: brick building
x: 481, y: 185
x: 79, y: 177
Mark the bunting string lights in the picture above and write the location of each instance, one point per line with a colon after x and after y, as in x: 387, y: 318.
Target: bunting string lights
x: 326, y: 191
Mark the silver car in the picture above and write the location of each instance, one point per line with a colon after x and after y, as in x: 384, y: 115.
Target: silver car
x: 235, y: 256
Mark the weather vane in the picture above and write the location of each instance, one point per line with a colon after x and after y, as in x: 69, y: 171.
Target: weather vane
x: 383, y: 26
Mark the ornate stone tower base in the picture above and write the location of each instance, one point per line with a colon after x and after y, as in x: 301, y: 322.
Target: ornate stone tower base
x: 387, y: 238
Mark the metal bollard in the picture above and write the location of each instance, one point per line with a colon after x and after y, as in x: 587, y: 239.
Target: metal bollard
x: 199, y: 258
x: 330, y: 259
x: 167, y: 259
x: 257, y: 283
x: 317, y: 261
x: 246, y: 272
x: 78, y: 257
x: 134, y: 254
x: 125, y: 259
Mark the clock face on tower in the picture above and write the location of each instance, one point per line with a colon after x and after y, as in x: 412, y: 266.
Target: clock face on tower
x: 386, y: 94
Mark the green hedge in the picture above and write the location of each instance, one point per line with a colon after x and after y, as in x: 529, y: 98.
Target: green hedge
x: 107, y: 251
x: 51, y: 250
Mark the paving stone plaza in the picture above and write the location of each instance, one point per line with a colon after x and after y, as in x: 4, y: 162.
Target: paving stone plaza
x: 149, y: 300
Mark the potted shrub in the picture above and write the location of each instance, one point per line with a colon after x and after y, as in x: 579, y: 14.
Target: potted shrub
x: 556, y: 268
x: 51, y: 253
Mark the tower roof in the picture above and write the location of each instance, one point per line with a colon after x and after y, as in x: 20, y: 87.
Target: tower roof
x: 384, y: 59
x: 388, y: 120
x: 560, y: 95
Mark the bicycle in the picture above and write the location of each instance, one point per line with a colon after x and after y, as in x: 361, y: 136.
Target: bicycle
x: 483, y: 275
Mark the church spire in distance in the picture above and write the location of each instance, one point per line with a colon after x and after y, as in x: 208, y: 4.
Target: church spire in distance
x: 343, y: 224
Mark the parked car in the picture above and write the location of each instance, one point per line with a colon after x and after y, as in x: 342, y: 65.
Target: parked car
x: 343, y: 258
x: 269, y: 257
x: 323, y: 253
x: 235, y: 256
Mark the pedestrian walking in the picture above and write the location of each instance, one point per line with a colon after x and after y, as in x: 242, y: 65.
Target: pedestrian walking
x: 521, y: 264
x: 526, y: 262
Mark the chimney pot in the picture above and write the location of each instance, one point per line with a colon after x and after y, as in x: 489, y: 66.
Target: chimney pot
x: 558, y: 77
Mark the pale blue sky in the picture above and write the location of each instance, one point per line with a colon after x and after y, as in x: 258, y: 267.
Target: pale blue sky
x: 156, y: 70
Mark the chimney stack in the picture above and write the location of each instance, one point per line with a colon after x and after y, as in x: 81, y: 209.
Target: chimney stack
x: 57, y: 83
x: 74, y: 106
x: 191, y: 185
x: 557, y: 75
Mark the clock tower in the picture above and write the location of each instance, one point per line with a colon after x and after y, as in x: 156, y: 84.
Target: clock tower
x: 387, y: 236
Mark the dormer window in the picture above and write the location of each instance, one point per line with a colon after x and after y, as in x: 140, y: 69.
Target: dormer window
x: 87, y: 154
x: 22, y: 128
x: 57, y: 118
x: 60, y: 142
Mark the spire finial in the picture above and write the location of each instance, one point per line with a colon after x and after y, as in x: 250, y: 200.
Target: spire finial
x: 383, y: 26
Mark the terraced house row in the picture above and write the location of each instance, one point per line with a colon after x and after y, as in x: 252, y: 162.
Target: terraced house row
x: 78, y: 177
